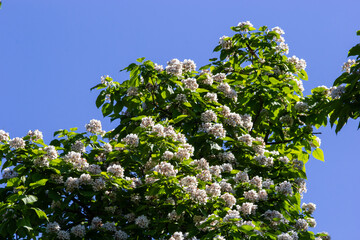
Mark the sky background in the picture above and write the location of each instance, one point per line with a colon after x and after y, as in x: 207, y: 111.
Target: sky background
x: 53, y: 52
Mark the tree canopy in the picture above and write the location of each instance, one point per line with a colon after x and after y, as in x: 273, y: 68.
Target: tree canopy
x: 216, y: 152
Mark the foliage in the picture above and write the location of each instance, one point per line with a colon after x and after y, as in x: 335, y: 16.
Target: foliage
x: 215, y: 154
x: 346, y: 103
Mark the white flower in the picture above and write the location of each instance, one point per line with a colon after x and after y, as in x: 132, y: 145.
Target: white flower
x: 245, y: 25
x: 257, y: 181
x: 309, y: 208
x: 248, y: 208
x: 121, y: 235
x: 51, y: 152
x: 63, y: 235
x: 336, y: 92
x: 311, y: 222
x: 301, y: 106
x: 132, y: 91
x: 302, y: 224
x: 214, y: 190
x: 168, y: 155
x: 131, y: 139
x: 284, y: 188
x: 166, y: 169
x: 278, y: 30
x: 251, y: 196
x: 142, y: 221
x: 189, y: 181
x: 78, y: 146
x: 211, y: 97
x: 78, y: 231
x: 9, y: 173
x: 229, y: 199
x: 17, y: 143
x: 299, y: 64
x: 177, y: 236
x: 219, y: 77
x: 99, y: 184
x: 190, y: 83
x: 208, y: 116
x: 181, y: 98
x: 71, y: 184
x: 35, y: 135
x: 4, y: 136
x: 347, y: 65
x: 94, y: 126
x: 52, y: 227
x: 241, y: 177
x: 225, y: 42
x: 109, y: 226
x: 96, y: 223
x: 116, y: 170
x: 147, y: 122
x: 188, y: 65
x: 158, y: 67
x: 174, y: 67
x: 85, y: 179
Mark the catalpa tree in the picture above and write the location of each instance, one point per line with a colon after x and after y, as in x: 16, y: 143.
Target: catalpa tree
x: 217, y: 152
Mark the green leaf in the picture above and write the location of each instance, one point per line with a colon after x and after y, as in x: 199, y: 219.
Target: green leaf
x: 201, y: 90
x: 140, y: 60
x: 318, y: 154
x: 107, y: 109
x: 180, y: 118
x: 41, y: 214
x: 358, y: 33
x: 39, y: 183
x: 354, y: 51
x: 28, y: 199
x: 138, y: 118
x: 100, y: 99
x: 187, y: 104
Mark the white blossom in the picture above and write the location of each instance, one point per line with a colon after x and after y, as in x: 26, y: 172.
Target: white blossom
x: 17, y: 143
x: 147, y: 122
x: 174, y: 67
x: 78, y: 146
x: 142, y: 221
x: 347, y: 65
x: 302, y: 224
x: 229, y: 199
x: 188, y: 65
x: 299, y: 64
x: 284, y: 188
x: 245, y: 25
x: 63, y: 235
x: 121, y: 235
x: 116, y: 170
x: 190, y: 83
x: 248, y: 208
x: 52, y: 227
x: 309, y: 208
x: 132, y: 91
x: 166, y: 169
x: 131, y: 139
x: 35, y: 135
x: 94, y: 126
x: 211, y: 97
x: 78, y: 231
x: 96, y: 223
x: 4, y: 136
x: 225, y: 42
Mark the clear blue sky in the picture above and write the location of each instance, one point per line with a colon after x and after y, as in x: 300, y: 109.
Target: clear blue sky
x: 53, y: 52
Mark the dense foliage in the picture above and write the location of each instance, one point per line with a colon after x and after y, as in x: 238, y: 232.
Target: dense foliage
x: 217, y: 153
x: 346, y: 103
